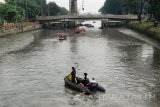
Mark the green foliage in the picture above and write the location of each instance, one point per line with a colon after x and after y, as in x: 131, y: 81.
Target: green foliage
x: 63, y: 11
x: 1, y: 24
x: 42, y: 7
x: 32, y: 8
x: 156, y: 9
x: 147, y: 28
x: 131, y: 5
x: 29, y: 7
x: 9, y: 13
x: 54, y: 9
x: 134, y: 6
x: 111, y: 7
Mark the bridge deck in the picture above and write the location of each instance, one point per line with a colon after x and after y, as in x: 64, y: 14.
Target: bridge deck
x: 87, y: 17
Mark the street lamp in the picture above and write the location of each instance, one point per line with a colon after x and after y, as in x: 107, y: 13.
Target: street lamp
x: 15, y: 10
x: 82, y: 5
x: 41, y: 8
x: 48, y: 10
x: 26, y: 10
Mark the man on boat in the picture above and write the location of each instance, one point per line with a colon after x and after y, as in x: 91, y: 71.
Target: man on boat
x: 73, y: 75
x: 86, y: 80
x: 93, y: 80
x: 93, y: 84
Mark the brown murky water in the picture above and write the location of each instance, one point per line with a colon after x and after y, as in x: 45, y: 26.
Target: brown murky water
x: 34, y: 64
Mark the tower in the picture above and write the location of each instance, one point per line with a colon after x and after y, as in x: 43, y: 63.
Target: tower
x: 73, y: 7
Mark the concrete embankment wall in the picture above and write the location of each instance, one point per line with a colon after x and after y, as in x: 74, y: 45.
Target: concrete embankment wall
x: 4, y: 33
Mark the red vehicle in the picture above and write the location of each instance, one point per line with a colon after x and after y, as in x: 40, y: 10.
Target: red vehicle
x: 79, y: 30
x: 62, y: 36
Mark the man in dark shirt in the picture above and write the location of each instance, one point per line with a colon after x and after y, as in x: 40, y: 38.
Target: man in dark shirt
x: 73, y: 75
x: 85, y: 80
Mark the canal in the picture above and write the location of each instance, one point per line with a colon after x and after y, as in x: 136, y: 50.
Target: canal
x: 33, y: 66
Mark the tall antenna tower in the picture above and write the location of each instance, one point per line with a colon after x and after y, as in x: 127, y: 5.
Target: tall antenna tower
x: 73, y: 9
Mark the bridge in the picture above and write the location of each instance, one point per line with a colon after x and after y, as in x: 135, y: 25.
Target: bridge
x: 74, y: 18
x: 87, y: 17
x: 70, y: 21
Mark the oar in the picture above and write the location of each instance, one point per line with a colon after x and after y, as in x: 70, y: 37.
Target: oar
x: 76, y: 65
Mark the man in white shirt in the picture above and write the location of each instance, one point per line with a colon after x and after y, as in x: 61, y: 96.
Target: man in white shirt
x: 93, y: 85
x: 93, y: 80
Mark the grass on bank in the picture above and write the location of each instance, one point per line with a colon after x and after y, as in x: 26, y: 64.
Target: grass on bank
x: 146, y: 27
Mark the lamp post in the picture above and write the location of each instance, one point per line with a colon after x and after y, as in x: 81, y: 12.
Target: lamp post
x: 82, y: 5
x: 15, y: 10
x: 48, y: 10
x: 26, y: 10
x: 41, y: 8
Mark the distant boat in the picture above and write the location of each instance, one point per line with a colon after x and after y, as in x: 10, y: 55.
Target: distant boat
x: 100, y: 27
x: 62, y: 36
x: 79, y: 30
x: 88, y: 25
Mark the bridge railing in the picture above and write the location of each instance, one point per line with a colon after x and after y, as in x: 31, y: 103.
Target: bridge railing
x: 108, y: 16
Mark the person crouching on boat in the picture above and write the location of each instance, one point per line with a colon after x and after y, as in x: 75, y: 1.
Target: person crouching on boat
x: 93, y: 80
x: 93, y: 84
x: 85, y: 80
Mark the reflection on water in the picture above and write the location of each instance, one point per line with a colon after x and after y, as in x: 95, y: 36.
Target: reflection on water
x: 33, y: 65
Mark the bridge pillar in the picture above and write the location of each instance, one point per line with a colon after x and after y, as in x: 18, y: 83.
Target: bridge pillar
x: 104, y: 23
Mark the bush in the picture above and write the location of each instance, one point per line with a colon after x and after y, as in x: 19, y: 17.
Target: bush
x: 1, y: 25
x: 147, y: 28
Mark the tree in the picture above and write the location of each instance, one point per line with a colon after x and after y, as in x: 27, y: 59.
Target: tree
x: 54, y: 9
x: 111, y: 7
x: 155, y: 11
x: 32, y: 8
x: 63, y: 11
x: 155, y: 6
x: 29, y: 7
x: 9, y: 13
x: 42, y: 7
x: 135, y: 7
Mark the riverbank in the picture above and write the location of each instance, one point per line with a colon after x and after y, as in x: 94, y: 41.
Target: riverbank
x: 147, y: 28
x: 23, y: 27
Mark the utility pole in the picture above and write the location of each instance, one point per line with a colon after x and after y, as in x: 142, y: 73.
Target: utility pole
x: 26, y: 10
x: 15, y: 10
x: 41, y: 8
x: 82, y: 5
x: 48, y: 10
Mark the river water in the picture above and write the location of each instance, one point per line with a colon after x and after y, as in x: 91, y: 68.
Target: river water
x: 33, y: 66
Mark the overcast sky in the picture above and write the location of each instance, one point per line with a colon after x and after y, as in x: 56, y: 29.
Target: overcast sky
x: 1, y: 0
x: 90, y: 6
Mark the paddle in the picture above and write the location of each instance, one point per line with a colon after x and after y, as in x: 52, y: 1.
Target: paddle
x: 76, y: 65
